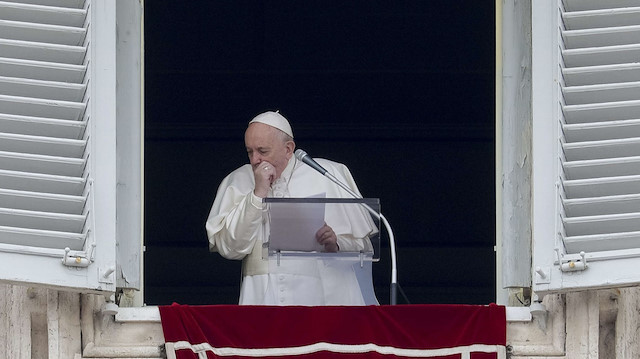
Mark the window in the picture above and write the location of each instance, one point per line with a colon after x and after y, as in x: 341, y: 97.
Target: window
x: 586, y: 144
x: 61, y: 179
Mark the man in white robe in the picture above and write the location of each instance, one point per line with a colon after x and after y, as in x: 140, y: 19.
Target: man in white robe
x: 238, y: 223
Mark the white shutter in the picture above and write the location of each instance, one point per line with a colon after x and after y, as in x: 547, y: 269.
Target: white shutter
x: 57, y: 143
x: 586, y: 143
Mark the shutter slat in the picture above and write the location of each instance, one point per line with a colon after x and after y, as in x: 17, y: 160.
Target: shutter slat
x: 44, y: 202
x: 603, y: 224
x: 610, y: 92
x: 51, y: 90
x: 613, y: 167
x: 592, y: 75
x: 48, y: 221
x: 593, y: 206
x: 610, y: 36
x: 601, y: 18
x: 43, y: 14
x: 601, y: 149
x: 583, y: 5
x: 605, y: 55
x: 40, y: 238
x: 623, y: 110
x: 42, y: 70
x: 602, y: 186
x: 42, y: 51
x: 77, y: 4
x: 37, y: 182
x: 51, y: 34
x: 607, y: 130
x: 29, y: 106
x: 50, y: 146
x: 603, y: 242
x: 40, y: 126
x: 51, y: 165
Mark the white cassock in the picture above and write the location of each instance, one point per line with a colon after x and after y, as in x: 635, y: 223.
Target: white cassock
x: 237, y: 227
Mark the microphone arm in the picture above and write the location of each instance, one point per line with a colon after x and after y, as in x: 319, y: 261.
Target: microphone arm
x: 304, y: 157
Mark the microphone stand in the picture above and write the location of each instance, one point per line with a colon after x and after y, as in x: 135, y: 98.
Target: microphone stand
x: 392, y: 242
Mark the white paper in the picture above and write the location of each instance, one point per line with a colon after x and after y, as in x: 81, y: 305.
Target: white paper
x: 293, y: 226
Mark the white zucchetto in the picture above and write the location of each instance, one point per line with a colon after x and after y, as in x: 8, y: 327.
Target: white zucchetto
x: 274, y: 119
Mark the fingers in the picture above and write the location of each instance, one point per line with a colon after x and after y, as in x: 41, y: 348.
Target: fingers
x: 264, y: 175
x: 327, y: 237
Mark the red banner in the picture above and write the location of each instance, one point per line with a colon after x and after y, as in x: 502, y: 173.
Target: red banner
x: 401, y: 331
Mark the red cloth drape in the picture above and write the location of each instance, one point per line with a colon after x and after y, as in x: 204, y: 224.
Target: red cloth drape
x: 433, y: 331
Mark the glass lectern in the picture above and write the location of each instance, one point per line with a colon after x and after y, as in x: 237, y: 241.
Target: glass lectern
x: 291, y: 241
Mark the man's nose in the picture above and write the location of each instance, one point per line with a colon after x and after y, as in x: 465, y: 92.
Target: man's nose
x: 255, y: 159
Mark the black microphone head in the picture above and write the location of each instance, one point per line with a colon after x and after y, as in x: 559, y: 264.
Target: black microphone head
x: 300, y: 154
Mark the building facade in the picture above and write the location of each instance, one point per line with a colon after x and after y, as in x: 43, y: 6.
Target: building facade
x: 568, y: 182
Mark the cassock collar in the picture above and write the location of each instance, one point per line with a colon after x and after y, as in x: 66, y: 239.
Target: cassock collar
x: 286, y: 174
x: 280, y: 187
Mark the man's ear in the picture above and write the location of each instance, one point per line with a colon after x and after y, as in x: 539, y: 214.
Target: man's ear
x: 290, y: 146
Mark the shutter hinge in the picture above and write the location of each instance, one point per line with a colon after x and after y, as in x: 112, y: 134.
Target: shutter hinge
x: 78, y: 259
x: 74, y: 260
x: 571, y: 263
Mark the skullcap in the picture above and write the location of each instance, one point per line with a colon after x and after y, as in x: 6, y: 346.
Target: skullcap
x: 274, y: 119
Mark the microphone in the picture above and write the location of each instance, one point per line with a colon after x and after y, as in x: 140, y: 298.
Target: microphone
x: 304, y: 157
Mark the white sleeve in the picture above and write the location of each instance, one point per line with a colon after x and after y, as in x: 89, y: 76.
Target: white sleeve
x: 235, y: 221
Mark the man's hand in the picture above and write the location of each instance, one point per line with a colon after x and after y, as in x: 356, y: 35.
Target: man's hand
x: 327, y: 237
x: 264, y: 174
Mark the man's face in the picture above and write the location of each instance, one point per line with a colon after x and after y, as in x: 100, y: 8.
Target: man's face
x: 266, y: 144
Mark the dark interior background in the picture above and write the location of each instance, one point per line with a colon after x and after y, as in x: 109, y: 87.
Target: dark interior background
x: 402, y: 92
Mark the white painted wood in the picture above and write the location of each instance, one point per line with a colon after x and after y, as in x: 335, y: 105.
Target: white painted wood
x: 42, y: 51
x: 52, y: 34
x: 591, y: 75
x: 129, y: 149
x: 45, y: 165
x: 609, y: 92
x: 35, y: 107
x: 42, y: 70
x: 39, y: 182
x: 49, y: 146
x: 605, y: 36
x: 590, y: 19
x: 602, y: 55
x: 44, y: 202
x: 58, y: 144
x: 594, y: 131
x: 42, y: 13
x: 583, y: 5
x: 516, y: 136
x: 586, y: 143
x: 51, y: 90
x: 74, y: 4
x: 52, y: 221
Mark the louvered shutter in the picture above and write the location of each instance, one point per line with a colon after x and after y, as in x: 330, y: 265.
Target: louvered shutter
x: 586, y: 143
x: 57, y: 143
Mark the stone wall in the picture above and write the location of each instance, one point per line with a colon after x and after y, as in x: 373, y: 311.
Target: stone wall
x: 38, y: 323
